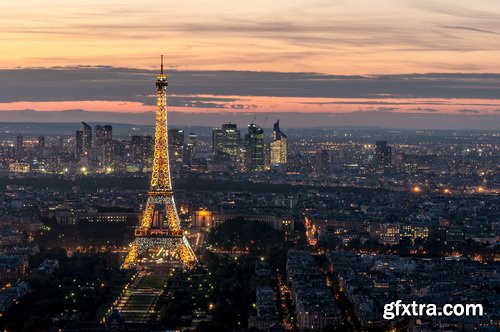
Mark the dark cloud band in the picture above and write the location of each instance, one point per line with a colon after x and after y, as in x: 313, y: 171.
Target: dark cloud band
x: 108, y: 83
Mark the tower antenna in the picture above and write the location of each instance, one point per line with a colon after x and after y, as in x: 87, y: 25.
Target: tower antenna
x: 161, y: 72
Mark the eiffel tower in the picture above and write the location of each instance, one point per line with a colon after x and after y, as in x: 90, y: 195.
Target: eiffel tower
x: 160, y: 239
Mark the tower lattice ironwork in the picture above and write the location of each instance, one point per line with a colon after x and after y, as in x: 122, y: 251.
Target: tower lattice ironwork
x: 160, y: 237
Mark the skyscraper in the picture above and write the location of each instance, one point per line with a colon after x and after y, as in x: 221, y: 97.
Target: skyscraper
x: 226, y: 141
x: 103, y: 143
x: 190, y: 149
x: 78, y: 143
x: 102, y: 135
x: 142, y: 148
x: 383, y: 155
x: 175, y: 144
x: 255, y: 148
x: 19, y: 146
x: 41, y: 144
x: 87, y: 137
x: 279, y: 146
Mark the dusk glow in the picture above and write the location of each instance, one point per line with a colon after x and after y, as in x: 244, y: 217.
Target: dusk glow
x: 342, y: 37
x: 275, y: 104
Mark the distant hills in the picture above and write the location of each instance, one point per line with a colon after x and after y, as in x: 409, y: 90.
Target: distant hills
x: 77, y: 116
x: 266, y: 119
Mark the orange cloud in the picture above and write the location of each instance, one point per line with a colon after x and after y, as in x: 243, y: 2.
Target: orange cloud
x: 275, y: 104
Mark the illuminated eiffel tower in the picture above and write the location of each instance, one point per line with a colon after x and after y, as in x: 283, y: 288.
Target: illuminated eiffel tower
x: 160, y: 238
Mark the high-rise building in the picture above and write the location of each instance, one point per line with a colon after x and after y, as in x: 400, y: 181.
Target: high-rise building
x: 107, y: 155
x: 383, y: 155
x: 121, y: 149
x: 279, y: 146
x: 59, y: 146
x: 255, y: 148
x: 78, y: 143
x: 176, y: 144
x: 226, y: 141
x: 103, y: 143
x: 142, y: 148
x: 190, y: 150
x: 20, y: 146
x: 87, y: 137
x: 102, y: 135
x: 41, y: 144
x: 241, y: 159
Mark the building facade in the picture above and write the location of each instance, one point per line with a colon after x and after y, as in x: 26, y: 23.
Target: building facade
x: 278, y: 147
x: 255, y: 148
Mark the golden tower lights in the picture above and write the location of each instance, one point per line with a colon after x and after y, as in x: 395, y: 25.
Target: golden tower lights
x: 160, y: 232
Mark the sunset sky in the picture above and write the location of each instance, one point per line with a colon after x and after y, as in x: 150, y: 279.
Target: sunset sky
x: 253, y: 56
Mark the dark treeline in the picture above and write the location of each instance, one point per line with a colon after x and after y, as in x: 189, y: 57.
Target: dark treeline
x: 192, y: 183
x: 82, y: 286
x: 85, y: 234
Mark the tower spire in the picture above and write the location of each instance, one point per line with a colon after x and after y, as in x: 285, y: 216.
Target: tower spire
x: 161, y: 72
